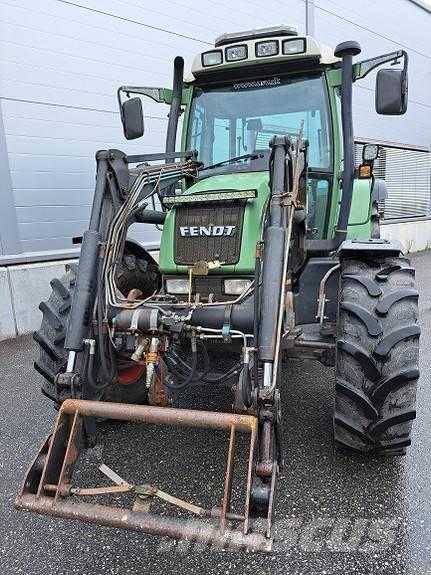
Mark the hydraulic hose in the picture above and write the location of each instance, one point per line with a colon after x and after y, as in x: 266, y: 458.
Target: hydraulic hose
x: 234, y: 370
x: 186, y: 368
x: 177, y: 367
x: 256, y: 307
x: 108, y: 372
x: 90, y: 374
x: 89, y: 368
x: 192, y: 374
x: 226, y: 376
x: 113, y: 360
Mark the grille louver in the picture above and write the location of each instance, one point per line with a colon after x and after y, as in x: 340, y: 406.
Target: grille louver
x: 191, y: 249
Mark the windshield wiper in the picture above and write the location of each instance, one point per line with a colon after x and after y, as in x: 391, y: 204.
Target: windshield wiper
x: 230, y: 160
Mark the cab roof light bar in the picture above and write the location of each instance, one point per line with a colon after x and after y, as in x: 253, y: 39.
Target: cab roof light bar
x: 269, y: 32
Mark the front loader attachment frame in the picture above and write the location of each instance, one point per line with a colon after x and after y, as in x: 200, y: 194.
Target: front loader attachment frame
x: 48, y: 487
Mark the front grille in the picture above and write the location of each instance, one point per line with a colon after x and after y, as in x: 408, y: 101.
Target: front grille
x: 205, y: 285
x: 190, y: 249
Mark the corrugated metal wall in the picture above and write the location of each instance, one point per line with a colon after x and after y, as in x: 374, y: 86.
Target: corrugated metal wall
x: 381, y: 27
x: 61, y: 62
x: 407, y: 173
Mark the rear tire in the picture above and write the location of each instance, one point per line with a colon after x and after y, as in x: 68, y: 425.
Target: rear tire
x: 133, y: 272
x: 52, y: 333
x: 377, y: 356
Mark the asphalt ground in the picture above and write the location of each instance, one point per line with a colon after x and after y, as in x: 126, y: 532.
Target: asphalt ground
x: 335, y: 513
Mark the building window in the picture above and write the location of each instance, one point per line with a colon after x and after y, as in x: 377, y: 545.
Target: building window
x: 407, y: 173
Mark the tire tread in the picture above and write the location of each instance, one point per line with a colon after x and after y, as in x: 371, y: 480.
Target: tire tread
x: 377, y: 355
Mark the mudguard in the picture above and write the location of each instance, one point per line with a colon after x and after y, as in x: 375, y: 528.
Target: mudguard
x: 374, y: 245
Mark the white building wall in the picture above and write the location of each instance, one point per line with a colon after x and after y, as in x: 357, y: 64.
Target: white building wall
x: 61, y: 62
x: 382, y: 27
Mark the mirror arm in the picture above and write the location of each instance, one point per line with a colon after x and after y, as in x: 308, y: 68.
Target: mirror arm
x: 153, y: 93
x: 362, y: 69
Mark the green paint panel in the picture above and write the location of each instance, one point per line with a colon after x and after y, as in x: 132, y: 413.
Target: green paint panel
x: 361, y: 204
x: 254, y: 211
x: 359, y: 220
x: 333, y: 79
x: 360, y: 212
x: 359, y: 232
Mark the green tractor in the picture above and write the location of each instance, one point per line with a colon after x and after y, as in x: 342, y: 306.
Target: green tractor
x: 270, y: 250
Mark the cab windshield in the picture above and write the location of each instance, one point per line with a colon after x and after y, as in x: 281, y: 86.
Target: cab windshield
x: 232, y: 125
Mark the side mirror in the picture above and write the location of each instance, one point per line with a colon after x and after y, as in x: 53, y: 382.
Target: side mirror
x: 132, y: 117
x: 391, y: 92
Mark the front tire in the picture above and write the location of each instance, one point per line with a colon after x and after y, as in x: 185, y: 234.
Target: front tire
x: 377, y: 363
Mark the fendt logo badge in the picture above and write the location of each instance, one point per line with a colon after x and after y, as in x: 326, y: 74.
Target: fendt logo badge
x: 192, y: 231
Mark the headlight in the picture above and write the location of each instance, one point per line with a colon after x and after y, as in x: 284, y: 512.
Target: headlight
x: 294, y: 46
x: 236, y: 286
x: 235, y: 53
x: 177, y: 286
x: 212, y: 58
x: 267, y: 48
x: 370, y: 152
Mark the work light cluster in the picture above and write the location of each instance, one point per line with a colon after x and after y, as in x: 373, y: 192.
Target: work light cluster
x: 289, y: 47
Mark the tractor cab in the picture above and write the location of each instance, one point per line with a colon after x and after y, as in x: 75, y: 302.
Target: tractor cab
x: 253, y: 86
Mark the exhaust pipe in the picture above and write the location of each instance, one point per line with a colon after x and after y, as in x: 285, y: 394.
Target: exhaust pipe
x: 175, y: 109
x: 346, y: 51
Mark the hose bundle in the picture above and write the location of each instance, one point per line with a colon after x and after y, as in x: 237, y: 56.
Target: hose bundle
x: 186, y: 375
x: 145, y: 185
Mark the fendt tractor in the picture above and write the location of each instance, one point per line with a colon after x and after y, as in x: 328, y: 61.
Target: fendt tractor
x: 270, y: 252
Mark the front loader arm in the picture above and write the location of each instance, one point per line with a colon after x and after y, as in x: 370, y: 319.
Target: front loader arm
x: 112, y: 182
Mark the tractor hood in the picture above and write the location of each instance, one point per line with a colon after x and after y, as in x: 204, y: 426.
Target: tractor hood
x: 224, y: 230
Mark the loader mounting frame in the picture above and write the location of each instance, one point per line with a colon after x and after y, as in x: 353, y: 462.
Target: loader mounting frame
x: 48, y: 487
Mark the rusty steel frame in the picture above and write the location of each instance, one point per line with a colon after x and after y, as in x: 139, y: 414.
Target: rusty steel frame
x: 48, y: 488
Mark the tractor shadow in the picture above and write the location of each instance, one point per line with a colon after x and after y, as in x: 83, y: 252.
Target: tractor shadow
x: 317, y: 478
x: 185, y: 462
